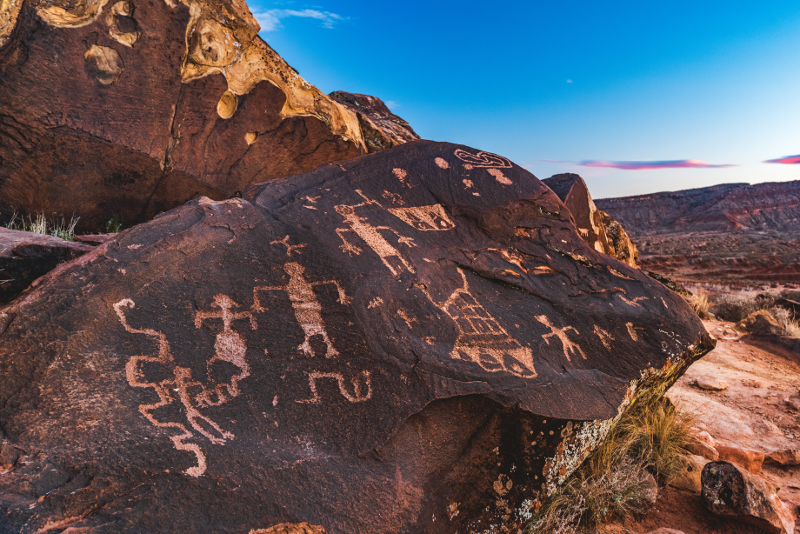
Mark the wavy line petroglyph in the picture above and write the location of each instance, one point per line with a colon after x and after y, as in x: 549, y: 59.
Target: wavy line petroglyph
x: 483, y: 159
x: 358, y: 394
x: 481, y: 339
x: 561, y: 333
x: 371, y: 235
x: 307, y: 308
x: 228, y: 348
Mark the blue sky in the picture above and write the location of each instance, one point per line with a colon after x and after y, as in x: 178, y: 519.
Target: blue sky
x: 552, y: 85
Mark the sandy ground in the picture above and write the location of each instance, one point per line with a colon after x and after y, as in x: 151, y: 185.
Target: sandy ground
x: 751, y: 413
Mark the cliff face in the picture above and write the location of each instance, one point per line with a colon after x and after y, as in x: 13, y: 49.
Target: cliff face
x: 130, y: 108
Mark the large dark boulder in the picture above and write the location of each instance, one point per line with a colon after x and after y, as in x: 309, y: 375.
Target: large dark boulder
x: 125, y: 108
x: 414, y: 341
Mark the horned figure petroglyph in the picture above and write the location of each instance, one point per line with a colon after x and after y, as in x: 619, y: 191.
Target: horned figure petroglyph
x: 358, y: 394
x: 481, y: 339
x: 306, y: 306
x: 371, y: 235
x: 229, y: 347
x: 561, y: 333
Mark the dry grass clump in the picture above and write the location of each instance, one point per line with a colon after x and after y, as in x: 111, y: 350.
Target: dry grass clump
x: 618, y: 479
x: 57, y: 226
x: 699, y: 302
x: 736, y: 306
x: 787, y: 321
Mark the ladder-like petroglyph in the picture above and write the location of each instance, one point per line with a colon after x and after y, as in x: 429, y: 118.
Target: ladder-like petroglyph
x: 371, y: 235
x: 359, y: 395
x: 561, y: 333
x: 229, y: 347
x: 307, y: 308
x: 181, y: 383
x: 481, y: 339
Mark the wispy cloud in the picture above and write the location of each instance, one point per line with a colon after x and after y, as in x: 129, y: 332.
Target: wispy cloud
x: 650, y: 165
x: 270, y: 20
x: 788, y: 160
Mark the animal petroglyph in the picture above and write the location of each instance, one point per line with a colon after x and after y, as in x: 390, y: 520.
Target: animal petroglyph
x: 306, y: 306
x: 561, y: 333
x: 605, y: 337
x: 483, y: 159
x: 289, y: 248
x: 229, y: 348
x: 481, y: 339
x: 358, y: 394
x: 371, y: 235
x: 424, y: 218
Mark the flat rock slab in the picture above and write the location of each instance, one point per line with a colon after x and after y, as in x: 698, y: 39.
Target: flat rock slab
x: 414, y: 341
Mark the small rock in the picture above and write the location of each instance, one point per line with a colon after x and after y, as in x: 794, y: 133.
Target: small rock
x: 749, y: 459
x: 729, y: 491
x: 701, y: 448
x: 663, y: 530
x: 785, y: 458
x: 760, y: 322
x: 748, y: 383
x: 650, y: 489
x: 689, y: 475
x: 710, y: 384
x: 706, y: 438
x: 793, y: 403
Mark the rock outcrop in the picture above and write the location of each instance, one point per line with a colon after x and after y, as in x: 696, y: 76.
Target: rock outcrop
x: 25, y: 256
x: 414, y: 341
x: 381, y: 128
x: 596, y: 227
x: 124, y: 108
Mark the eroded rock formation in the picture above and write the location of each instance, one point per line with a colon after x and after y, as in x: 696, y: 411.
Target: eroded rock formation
x: 381, y: 128
x: 596, y: 227
x: 414, y: 341
x: 126, y: 108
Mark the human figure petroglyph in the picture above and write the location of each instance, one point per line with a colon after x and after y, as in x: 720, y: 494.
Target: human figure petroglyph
x: 561, y: 333
x: 358, y: 394
x: 306, y: 306
x: 229, y: 347
x: 181, y: 382
x: 481, y: 339
x: 371, y: 235
x: 289, y: 248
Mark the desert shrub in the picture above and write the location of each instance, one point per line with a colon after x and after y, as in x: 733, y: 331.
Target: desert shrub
x: 787, y: 321
x: 616, y: 480
x: 114, y: 225
x: 57, y: 226
x: 699, y: 302
x: 735, y: 306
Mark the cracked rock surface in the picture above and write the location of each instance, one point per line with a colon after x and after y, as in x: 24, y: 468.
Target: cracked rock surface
x: 414, y: 341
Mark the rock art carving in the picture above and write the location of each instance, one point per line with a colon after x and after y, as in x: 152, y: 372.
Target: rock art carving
x: 424, y: 218
x: 561, y: 333
x: 481, y: 339
x: 605, y: 337
x: 358, y: 394
x: 229, y: 347
x: 632, y: 331
x: 289, y: 248
x: 483, y: 159
x: 306, y: 306
x: 441, y: 163
x: 401, y: 175
x: 371, y: 235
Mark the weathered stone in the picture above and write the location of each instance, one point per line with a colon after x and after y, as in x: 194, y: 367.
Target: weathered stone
x: 128, y: 108
x: 688, y: 476
x: 597, y: 228
x: 785, y: 458
x: 760, y: 322
x: 665, y: 531
x: 25, y: 256
x: 710, y: 384
x: 290, y: 528
x: 747, y: 458
x: 381, y: 128
x: 729, y: 491
x: 411, y: 339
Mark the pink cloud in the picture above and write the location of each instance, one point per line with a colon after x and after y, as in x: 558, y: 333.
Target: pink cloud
x: 650, y: 165
x: 788, y: 160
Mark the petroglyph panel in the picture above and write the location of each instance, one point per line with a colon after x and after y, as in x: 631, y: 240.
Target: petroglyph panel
x: 481, y: 339
x: 359, y: 393
x: 483, y: 159
x: 431, y: 218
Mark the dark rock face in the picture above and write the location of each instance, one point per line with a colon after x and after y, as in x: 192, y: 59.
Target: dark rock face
x: 732, y: 492
x: 596, y: 227
x: 382, y: 128
x: 127, y: 108
x: 414, y: 341
x: 25, y: 256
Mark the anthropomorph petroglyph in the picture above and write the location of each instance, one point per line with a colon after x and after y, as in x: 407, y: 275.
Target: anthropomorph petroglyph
x: 481, y: 339
x: 229, y: 347
x: 561, y: 333
x: 289, y: 248
x: 357, y: 396
x: 371, y: 235
x: 306, y: 306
